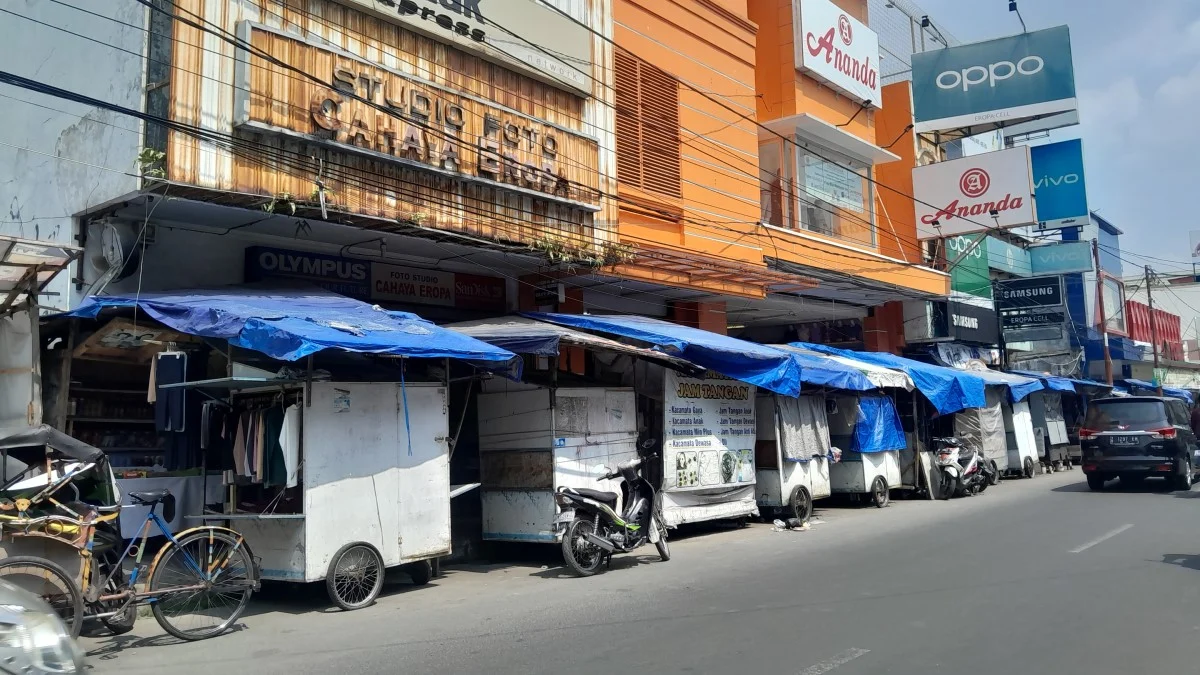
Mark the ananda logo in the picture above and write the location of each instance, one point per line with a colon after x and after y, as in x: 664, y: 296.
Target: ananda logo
x: 861, y: 70
x: 989, y: 74
x: 974, y: 183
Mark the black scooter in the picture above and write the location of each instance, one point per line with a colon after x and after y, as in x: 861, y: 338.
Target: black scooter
x: 591, y: 528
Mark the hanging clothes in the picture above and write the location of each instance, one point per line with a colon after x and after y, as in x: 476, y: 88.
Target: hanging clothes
x: 169, y: 413
x: 289, y: 441
x: 274, y: 466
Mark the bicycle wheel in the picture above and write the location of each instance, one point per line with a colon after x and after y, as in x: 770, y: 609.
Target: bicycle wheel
x: 51, y: 583
x: 202, y: 583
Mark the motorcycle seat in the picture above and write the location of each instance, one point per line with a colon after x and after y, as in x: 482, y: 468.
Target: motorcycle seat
x: 609, y: 498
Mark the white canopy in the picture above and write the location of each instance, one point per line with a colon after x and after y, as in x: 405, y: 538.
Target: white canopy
x: 878, y: 375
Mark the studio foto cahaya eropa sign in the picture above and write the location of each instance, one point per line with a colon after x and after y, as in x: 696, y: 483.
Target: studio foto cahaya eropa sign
x: 974, y: 194
x: 835, y: 47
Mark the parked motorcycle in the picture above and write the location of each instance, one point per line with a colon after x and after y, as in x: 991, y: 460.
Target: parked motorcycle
x: 963, y: 470
x: 591, y: 528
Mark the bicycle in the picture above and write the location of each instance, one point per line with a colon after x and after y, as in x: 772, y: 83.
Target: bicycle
x: 207, y: 573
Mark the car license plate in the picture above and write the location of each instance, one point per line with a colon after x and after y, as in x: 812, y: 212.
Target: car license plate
x: 566, y: 516
x: 1124, y: 440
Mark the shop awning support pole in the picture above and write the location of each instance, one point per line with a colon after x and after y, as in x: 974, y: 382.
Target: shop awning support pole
x: 1153, y: 331
x: 1108, y: 365
x: 308, y: 383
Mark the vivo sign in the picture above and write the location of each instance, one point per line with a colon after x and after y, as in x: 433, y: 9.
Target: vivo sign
x: 994, y: 84
x: 835, y: 47
x: 1058, y: 180
x: 974, y: 194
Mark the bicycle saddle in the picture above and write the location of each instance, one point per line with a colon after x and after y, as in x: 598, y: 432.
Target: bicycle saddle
x: 149, y: 498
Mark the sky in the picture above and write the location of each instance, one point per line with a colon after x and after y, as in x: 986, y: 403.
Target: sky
x: 1137, y: 78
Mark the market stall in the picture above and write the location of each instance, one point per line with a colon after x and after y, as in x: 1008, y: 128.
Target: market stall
x: 1021, y: 454
x: 794, y: 454
x: 554, y: 429
x: 708, y: 423
x: 1049, y: 419
x: 331, y: 473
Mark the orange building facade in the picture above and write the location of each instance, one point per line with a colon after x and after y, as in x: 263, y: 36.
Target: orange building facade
x: 737, y: 146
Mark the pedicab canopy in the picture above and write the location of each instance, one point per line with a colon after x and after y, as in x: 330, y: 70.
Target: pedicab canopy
x: 1167, y: 391
x: 949, y: 390
x: 1018, y: 386
x: 289, y: 323
x: 760, y: 365
x: 46, y: 436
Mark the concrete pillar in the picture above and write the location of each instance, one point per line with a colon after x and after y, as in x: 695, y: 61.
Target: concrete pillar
x: 709, y: 316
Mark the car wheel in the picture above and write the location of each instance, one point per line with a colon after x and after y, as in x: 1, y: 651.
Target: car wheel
x: 1095, y: 482
x: 1183, y: 480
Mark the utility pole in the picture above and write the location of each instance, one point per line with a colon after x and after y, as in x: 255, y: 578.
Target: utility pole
x: 1108, y: 371
x: 1153, y: 330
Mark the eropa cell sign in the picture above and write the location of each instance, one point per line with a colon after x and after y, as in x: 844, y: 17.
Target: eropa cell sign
x: 996, y: 83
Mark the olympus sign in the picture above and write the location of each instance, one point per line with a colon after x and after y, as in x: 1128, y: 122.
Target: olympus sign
x: 990, y: 74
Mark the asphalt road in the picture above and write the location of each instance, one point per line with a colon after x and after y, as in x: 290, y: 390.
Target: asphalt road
x: 1034, y: 576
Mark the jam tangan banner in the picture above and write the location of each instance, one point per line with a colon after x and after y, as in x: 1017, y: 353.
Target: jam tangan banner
x: 974, y: 194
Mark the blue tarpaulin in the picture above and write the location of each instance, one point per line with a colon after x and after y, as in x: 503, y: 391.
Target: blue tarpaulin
x: 291, y: 323
x: 949, y: 390
x: 1052, y: 382
x: 821, y: 371
x: 1018, y: 386
x: 1149, y: 387
x: 756, y: 364
x: 878, y: 426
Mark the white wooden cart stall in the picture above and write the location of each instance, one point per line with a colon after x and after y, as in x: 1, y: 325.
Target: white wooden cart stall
x: 859, y: 473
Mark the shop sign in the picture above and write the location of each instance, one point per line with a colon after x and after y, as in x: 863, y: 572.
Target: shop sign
x: 970, y: 272
x: 1005, y: 257
x: 961, y: 196
x: 425, y: 126
x: 1029, y: 293
x: 1065, y: 258
x: 837, y: 48
x: 971, y: 323
x: 708, y: 433
x: 375, y: 281
x: 535, y: 38
x: 1014, y: 320
x: 995, y: 83
x: 1058, y: 183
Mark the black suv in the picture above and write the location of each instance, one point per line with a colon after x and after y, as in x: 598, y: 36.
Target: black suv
x: 1138, y: 436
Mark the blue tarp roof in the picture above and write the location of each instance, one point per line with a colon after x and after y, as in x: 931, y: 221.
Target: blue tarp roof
x: 821, y: 371
x: 949, y: 390
x: 1052, y: 382
x: 1018, y: 386
x: 291, y: 323
x: 762, y: 366
x: 878, y: 427
x: 1167, y: 391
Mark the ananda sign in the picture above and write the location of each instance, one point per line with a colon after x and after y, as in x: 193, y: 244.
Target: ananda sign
x: 974, y: 194
x: 837, y: 48
x: 385, y: 114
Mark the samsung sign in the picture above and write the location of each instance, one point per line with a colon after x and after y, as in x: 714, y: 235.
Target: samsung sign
x: 1058, y: 183
x: 992, y: 84
x: 1029, y: 293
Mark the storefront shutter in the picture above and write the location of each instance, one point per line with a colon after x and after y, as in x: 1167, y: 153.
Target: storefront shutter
x: 647, y: 101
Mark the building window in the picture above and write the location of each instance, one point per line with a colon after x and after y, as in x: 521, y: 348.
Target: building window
x: 803, y: 190
x: 1114, y: 304
x: 648, y: 154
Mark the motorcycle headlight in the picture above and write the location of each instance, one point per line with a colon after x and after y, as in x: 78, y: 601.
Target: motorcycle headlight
x: 40, y: 637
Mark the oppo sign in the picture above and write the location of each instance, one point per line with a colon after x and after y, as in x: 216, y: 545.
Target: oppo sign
x: 989, y: 74
x: 994, y: 84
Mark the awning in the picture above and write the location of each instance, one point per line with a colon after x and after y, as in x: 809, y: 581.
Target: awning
x: 1167, y: 391
x: 880, y: 377
x: 290, y: 323
x: 823, y: 371
x: 756, y: 364
x: 811, y: 127
x: 949, y: 390
x: 27, y: 265
x: 1018, y: 386
x: 1052, y: 382
x: 523, y: 335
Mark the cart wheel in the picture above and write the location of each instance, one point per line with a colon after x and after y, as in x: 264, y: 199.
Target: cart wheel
x: 1029, y: 468
x: 879, y: 492
x: 355, y: 576
x: 995, y: 479
x: 801, y: 504
x: 420, y: 572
